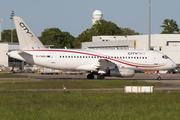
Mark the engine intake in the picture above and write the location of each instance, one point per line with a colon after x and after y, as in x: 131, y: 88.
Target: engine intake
x: 122, y: 72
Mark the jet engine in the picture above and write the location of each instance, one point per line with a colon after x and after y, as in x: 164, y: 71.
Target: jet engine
x: 122, y: 72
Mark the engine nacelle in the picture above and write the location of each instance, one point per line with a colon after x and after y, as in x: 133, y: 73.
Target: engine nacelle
x: 122, y: 72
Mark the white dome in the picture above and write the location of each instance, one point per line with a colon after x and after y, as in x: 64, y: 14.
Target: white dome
x: 97, y: 14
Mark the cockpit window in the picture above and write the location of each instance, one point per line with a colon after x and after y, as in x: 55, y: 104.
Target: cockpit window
x: 165, y: 57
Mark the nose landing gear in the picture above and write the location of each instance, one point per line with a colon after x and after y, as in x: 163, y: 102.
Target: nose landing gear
x: 159, y: 77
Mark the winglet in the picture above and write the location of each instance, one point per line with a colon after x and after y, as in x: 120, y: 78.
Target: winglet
x: 27, y: 39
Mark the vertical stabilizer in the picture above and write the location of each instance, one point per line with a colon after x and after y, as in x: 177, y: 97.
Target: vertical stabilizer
x: 27, y: 39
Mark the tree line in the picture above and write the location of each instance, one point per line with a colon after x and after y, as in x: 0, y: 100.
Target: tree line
x: 54, y: 36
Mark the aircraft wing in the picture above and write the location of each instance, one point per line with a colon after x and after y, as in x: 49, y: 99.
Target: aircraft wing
x: 106, y: 63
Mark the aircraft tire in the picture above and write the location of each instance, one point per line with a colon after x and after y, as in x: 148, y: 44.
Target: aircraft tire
x: 159, y: 78
x: 100, y: 77
x: 90, y: 76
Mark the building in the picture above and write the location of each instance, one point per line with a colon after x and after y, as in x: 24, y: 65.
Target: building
x: 4, y: 59
x: 168, y: 44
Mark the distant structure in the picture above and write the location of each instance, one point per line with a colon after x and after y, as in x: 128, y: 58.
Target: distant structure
x: 0, y: 28
x: 97, y: 15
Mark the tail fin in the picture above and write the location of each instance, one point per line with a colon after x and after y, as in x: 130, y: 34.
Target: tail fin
x: 27, y: 39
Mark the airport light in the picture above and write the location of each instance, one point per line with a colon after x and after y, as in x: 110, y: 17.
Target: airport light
x: 149, y: 45
x: 0, y: 28
x: 11, y: 17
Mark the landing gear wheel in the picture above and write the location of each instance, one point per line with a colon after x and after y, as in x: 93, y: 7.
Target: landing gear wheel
x: 159, y: 78
x: 100, y: 77
x: 90, y: 76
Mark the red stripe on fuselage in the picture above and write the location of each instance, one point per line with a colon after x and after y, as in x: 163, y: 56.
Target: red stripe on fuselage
x: 97, y: 56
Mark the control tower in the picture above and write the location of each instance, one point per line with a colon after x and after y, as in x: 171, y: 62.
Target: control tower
x: 97, y: 15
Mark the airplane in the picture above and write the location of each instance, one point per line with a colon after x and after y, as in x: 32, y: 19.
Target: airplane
x: 119, y: 63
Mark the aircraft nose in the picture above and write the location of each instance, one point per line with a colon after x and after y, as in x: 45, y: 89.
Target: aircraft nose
x: 174, y: 65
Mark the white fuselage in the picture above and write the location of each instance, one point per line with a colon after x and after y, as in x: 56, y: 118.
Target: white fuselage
x: 90, y: 60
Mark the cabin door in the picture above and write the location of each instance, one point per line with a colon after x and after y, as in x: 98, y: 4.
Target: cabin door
x: 53, y: 57
x: 156, y: 60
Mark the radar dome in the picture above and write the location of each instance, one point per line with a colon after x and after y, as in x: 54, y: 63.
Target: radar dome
x: 97, y: 14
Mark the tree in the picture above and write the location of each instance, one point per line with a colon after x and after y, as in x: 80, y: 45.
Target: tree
x: 170, y: 27
x: 6, y: 36
x: 54, y: 36
x: 101, y: 27
x: 128, y: 31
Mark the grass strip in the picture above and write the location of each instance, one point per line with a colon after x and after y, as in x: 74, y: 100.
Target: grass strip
x: 89, y: 105
x: 72, y: 84
x: 10, y: 75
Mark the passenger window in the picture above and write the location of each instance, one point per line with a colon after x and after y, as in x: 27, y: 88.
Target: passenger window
x: 68, y: 56
x: 145, y: 57
x: 60, y: 56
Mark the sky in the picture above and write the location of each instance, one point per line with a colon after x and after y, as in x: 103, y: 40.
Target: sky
x: 75, y: 16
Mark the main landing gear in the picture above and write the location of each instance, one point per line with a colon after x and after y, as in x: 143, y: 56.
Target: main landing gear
x: 100, y: 77
x: 90, y: 76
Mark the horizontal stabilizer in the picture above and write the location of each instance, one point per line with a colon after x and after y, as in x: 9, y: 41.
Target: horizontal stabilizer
x: 23, y: 52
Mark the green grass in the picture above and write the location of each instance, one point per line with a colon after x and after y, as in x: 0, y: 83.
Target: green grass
x: 85, y: 105
x: 72, y: 84
x: 9, y: 75
x: 89, y: 105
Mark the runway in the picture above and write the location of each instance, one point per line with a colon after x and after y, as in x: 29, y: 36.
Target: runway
x: 170, y: 81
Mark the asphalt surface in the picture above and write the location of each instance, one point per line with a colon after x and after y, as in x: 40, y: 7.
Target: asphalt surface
x: 170, y: 81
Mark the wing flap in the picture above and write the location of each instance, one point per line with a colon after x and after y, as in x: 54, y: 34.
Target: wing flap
x: 106, y: 63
